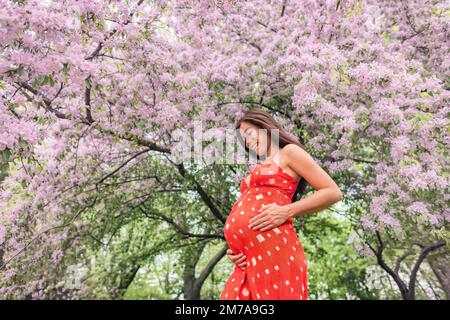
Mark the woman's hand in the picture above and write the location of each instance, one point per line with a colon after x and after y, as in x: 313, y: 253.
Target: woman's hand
x: 271, y: 216
x: 237, y: 259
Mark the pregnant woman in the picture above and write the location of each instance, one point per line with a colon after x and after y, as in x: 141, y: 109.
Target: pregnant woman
x: 269, y: 260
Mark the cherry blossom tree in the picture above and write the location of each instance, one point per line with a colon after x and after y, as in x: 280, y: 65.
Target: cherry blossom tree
x: 91, y: 90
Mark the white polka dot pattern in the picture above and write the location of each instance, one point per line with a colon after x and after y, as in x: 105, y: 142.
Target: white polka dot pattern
x: 276, y: 265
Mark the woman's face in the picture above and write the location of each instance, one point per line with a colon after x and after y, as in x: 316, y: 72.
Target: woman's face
x: 254, y: 137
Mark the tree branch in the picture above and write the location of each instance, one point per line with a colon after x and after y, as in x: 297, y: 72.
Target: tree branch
x: 425, y: 251
x: 203, y: 194
x: 210, y: 266
x: 283, y: 8
x: 120, y: 167
x: 87, y: 99
x: 177, y: 227
x: 379, y: 254
x: 111, y: 33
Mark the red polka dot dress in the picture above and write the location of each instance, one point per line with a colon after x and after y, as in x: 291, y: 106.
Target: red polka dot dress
x: 276, y: 266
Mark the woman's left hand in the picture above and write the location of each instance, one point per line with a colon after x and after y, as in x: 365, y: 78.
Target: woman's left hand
x: 271, y: 216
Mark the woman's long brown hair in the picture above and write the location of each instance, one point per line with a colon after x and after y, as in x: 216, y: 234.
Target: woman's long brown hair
x: 264, y: 120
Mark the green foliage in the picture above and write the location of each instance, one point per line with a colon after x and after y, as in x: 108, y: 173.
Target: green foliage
x: 4, y: 166
x: 335, y: 269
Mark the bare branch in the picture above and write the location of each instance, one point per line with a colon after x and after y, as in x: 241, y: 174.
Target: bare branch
x: 283, y: 8
x: 121, y: 166
x: 403, y: 257
x: 177, y: 227
x: 203, y: 194
x: 87, y: 99
x: 425, y: 251
x: 210, y: 266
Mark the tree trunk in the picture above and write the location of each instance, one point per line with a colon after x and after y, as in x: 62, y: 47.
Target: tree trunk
x: 441, y: 269
x: 127, y: 280
x: 192, y: 285
x: 191, y: 258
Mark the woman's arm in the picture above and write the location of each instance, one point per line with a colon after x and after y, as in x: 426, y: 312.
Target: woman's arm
x: 327, y: 192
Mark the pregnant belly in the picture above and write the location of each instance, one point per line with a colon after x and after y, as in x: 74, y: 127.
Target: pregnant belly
x: 236, y: 231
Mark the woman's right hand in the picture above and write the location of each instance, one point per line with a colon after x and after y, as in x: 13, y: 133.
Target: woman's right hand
x: 237, y: 259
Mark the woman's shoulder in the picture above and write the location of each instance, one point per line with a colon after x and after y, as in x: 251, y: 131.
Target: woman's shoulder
x: 290, y: 147
x: 290, y: 152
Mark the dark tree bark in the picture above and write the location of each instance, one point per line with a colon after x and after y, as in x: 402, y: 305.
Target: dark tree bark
x: 126, y: 280
x: 192, y: 285
x: 441, y: 269
x: 407, y: 290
